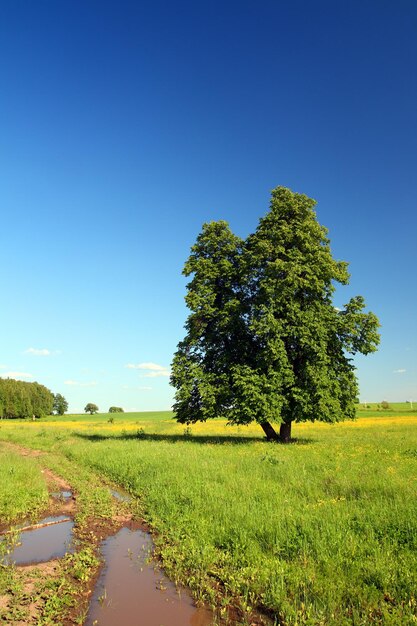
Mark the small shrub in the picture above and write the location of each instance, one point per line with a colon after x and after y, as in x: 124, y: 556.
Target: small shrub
x: 385, y: 405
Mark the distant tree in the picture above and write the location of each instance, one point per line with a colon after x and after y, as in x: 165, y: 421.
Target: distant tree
x: 19, y: 399
x: 264, y: 341
x: 91, y: 408
x: 60, y: 404
x: 116, y: 409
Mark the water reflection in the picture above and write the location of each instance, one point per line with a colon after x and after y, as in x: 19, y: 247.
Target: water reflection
x: 132, y: 592
x: 43, y: 544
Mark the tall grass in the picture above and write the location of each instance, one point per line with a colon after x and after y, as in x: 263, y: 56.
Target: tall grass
x: 323, y: 531
x: 22, y: 487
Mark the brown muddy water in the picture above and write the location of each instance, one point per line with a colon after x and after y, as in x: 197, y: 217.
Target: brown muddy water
x: 43, y: 544
x: 132, y: 592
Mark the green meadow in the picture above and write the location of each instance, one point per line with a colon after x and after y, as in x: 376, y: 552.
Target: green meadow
x: 22, y: 488
x: 320, y: 531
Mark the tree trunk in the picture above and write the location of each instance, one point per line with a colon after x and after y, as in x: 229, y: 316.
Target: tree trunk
x: 285, y: 432
x: 269, y: 431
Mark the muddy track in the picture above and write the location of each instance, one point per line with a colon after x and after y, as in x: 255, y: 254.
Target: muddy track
x: 55, y: 484
x: 145, y: 589
x: 90, y: 534
x: 83, y: 590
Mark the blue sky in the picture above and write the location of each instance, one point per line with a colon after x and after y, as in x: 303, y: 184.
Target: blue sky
x: 127, y: 125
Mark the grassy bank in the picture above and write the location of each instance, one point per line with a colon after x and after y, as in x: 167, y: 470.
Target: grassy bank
x: 323, y: 531
x: 22, y: 488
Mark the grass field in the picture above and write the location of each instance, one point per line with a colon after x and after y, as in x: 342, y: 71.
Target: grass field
x: 21, y: 486
x: 323, y: 531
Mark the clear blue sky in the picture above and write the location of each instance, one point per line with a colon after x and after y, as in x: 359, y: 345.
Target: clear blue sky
x: 126, y: 125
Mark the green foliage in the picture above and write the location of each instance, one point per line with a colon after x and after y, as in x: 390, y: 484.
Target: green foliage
x: 60, y: 404
x: 82, y: 564
x: 264, y: 341
x: 91, y: 408
x: 22, y: 487
x: 116, y: 409
x: 19, y: 399
x: 385, y: 405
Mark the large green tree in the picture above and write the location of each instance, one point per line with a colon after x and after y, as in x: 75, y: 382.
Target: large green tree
x: 264, y: 341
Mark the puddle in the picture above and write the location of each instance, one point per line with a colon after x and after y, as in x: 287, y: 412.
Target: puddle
x: 122, y: 496
x: 132, y: 592
x: 43, y: 544
x: 62, y: 495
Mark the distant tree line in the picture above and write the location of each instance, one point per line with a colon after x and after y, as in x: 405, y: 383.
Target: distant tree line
x: 20, y: 399
x: 93, y: 408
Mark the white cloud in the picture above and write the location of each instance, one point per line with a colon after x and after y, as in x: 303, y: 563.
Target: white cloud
x: 153, y: 369
x: 165, y: 372
x: 17, y: 375
x: 146, y: 366
x: 75, y: 383
x: 401, y: 371
x: 38, y: 351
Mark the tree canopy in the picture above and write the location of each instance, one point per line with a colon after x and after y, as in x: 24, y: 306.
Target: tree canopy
x: 60, y: 404
x: 20, y: 399
x: 264, y: 340
x: 116, y: 409
x: 91, y: 408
